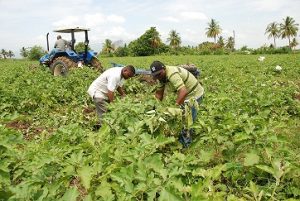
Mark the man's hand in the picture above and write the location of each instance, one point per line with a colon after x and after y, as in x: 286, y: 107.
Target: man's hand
x: 111, y: 96
x: 160, y: 94
x: 121, y: 91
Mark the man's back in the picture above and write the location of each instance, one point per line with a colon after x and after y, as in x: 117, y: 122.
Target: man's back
x: 61, y: 44
x: 179, y: 77
x: 108, y: 80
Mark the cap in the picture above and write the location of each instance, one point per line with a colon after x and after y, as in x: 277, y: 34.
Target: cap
x: 156, y: 67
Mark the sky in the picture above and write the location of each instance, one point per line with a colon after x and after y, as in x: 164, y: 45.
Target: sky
x: 25, y: 23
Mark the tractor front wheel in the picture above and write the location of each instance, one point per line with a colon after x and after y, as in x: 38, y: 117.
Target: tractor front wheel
x: 96, y: 64
x: 61, y: 66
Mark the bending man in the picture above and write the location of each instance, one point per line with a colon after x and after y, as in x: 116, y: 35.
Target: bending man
x: 102, y: 89
x: 183, y: 82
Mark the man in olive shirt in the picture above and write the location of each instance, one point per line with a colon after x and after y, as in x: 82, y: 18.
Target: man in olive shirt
x: 184, y: 82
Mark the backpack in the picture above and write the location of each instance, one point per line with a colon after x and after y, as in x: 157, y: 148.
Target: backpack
x: 192, y: 69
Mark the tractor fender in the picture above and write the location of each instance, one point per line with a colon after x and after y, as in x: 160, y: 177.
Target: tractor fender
x: 90, y: 54
x: 68, y: 53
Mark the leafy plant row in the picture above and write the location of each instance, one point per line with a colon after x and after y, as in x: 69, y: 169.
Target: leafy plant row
x: 246, y: 145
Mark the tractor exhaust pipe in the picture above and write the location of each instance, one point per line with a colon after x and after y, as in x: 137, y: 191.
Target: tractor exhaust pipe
x: 86, y: 45
x: 47, y: 37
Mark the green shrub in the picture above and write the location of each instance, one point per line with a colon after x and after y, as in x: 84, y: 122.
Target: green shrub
x: 36, y: 52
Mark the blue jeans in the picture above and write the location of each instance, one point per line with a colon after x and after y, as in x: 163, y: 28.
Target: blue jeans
x: 194, y: 110
x: 185, y: 136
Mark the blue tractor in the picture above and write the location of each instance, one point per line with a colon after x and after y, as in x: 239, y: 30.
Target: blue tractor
x: 61, y: 61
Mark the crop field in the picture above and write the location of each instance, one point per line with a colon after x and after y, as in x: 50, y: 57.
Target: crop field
x: 246, y: 144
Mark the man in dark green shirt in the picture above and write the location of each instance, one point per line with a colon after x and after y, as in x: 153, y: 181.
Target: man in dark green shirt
x: 184, y: 82
x: 186, y: 85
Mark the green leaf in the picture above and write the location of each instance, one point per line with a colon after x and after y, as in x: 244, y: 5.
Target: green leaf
x: 206, y: 156
x: 155, y: 162
x: 251, y: 159
x: 173, y: 111
x: 44, y: 194
x: 4, y: 177
x: 241, y: 137
x: 88, y: 198
x: 104, y: 191
x: 85, y: 174
x: 70, y: 195
x: 266, y: 168
x: 257, y: 194
x: 167, y: 195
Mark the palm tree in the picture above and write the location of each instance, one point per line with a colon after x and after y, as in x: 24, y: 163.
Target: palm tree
x: 213, y: 29
x: 24, y: 52
x: 107, y: 46
x: 294, y: 43
x: 230, y: 43
x: 273, y: 31
x: 155, y: 40
x: 174, y: 39
x: 221, y: 41
x: 288, y: 28
x: 4, y: 53
x: 10, y: 54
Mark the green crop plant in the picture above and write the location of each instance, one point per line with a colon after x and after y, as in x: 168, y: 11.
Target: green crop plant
x: 246, y: 145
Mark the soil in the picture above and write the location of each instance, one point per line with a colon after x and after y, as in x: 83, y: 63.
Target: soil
x: 26, y: 128
x: 88, y: 110
x: 76, y: 183
x: 19, y: 125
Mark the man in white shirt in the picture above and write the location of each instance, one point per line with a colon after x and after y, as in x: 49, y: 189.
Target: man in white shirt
x: 102, y: 89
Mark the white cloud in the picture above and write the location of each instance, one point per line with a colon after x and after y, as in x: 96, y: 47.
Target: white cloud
x: 67, y: 22
x: 117, y: 33
x: 93, y: 20
x: 226, y: 33
x: 115, y: 18
x: 186, y: 16
x: 89, y: 20
x: 170, y: 19
x: 192, y: 15
x: 41, y: 38
x: 192, y: 36
x: 179, y: 6
x: 268, y: 5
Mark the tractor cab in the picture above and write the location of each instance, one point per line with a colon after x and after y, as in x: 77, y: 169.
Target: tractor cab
x: 61, y: 61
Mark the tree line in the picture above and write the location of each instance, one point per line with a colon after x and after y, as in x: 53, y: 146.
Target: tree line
x: 6, y: 54
x: 150, y: 43
x: 287, y: 29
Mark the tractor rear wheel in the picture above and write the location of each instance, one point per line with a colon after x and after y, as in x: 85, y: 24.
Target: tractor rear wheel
x: 61, y: 66
x: 96, y: 64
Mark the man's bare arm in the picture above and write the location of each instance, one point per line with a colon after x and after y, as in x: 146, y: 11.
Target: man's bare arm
x: 182, y: 93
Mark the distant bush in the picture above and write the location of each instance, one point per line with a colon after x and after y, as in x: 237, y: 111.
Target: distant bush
x: 36, y: 52
x: 80, y: 47
x: 122, y: 51
x: 106, y: 54
x: 270, y: 50
x: 264, y: 50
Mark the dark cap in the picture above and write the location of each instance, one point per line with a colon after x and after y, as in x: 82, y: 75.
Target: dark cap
x: 156, y: 67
